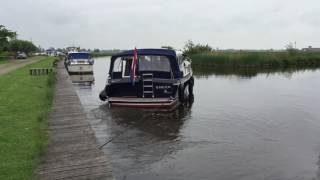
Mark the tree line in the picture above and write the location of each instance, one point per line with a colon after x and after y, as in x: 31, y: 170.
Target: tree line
x: 10, y: 43
x: 190, y: 48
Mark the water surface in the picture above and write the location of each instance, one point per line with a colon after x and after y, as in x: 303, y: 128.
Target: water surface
x: 260, y: 126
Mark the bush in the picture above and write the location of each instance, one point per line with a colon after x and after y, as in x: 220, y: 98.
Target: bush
x: 22, y: 45
x: 190, y: 48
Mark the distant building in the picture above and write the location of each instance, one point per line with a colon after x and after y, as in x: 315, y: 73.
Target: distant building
x: 311, y: 49
x: 51, y: 52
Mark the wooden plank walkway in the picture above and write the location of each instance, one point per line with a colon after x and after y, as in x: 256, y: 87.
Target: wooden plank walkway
x: 73, y: 151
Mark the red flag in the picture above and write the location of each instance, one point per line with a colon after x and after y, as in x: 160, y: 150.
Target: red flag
x: 134, y: 65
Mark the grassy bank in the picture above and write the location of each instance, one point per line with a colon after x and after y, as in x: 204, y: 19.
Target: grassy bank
x: 5, y: 56
x: 25, y: 103
x: 102, y: 54
x: 255, y: 59
x: 3, y: 61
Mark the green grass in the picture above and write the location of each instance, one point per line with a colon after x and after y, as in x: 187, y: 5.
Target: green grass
x: 101, y: 54
x: 25, y: 104
x: 3, y: 61
x: 5, y: 56
x: 256, y: 59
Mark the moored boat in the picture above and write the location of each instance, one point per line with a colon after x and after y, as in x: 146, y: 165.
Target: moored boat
x: 79, y: 62
x: 148, y: 78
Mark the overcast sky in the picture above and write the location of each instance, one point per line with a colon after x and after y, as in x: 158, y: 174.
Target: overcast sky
x: 123, y: 24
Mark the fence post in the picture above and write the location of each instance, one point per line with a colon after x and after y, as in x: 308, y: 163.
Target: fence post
x: 40, y: 71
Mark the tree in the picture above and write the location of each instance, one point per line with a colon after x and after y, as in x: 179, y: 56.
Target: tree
x: 22, y: 45
x: 5, y: 36
x: 291, y: 50
x: 191, y: 48
x: 60, y: 50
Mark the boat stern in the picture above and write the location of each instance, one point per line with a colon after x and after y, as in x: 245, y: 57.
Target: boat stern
x: 80, y: 68
x: 143, y: 102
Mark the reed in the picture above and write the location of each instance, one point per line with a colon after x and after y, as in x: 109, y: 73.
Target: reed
x: 256, y: 59
x: 102, y: 54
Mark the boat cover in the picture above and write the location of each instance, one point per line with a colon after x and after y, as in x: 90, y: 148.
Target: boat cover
x: 171, y: 54
x: 79, y: 55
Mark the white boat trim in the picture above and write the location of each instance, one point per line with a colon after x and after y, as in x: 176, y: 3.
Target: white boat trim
x: 140, y: 100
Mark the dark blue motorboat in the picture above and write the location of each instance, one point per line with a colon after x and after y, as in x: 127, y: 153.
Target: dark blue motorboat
x: 148, y: 78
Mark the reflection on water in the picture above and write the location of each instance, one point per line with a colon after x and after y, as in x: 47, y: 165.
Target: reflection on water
x: 84, y: 79
x: 245, y: 126
x: 161, y: 124
x: 139, y: 137
x: 200, y: 71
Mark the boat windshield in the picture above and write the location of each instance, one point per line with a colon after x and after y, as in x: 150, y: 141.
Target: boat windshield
x: 154, y: 63
x: 123, y: 65
x: 79, y: 56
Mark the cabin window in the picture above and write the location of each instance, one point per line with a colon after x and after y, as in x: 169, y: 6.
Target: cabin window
x: 122, y: 66
x: 126, y: 67
x: 79, y: 56
x: 154, y: 63
x: 117, y: 66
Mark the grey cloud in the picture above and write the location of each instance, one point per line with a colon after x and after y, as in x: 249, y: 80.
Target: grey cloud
x: 152, y: 23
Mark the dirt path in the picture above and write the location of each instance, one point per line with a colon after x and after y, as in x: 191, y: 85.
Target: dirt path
x: 17, y: 63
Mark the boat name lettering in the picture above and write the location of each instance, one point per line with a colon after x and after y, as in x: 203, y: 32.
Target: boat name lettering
x: 163, y: 87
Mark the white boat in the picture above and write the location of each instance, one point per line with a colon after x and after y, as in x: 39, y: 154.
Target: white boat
x: 79, y: 62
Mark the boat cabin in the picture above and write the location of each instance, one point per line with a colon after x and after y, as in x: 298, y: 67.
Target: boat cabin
x: 159, y: 75
x: 79, y: 58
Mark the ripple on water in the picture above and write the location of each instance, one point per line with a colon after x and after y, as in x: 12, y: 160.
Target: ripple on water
x: 265, y: 126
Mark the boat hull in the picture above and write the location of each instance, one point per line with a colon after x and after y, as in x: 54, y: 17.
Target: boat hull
x: 143, y: 102
x: 80, y: 68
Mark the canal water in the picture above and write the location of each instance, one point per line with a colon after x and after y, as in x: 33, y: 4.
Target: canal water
x: 245, y: 127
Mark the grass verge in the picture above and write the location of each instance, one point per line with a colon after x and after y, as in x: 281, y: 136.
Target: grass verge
x: 5, y: 56
x: 25, y: 102
x: 3, y: 61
